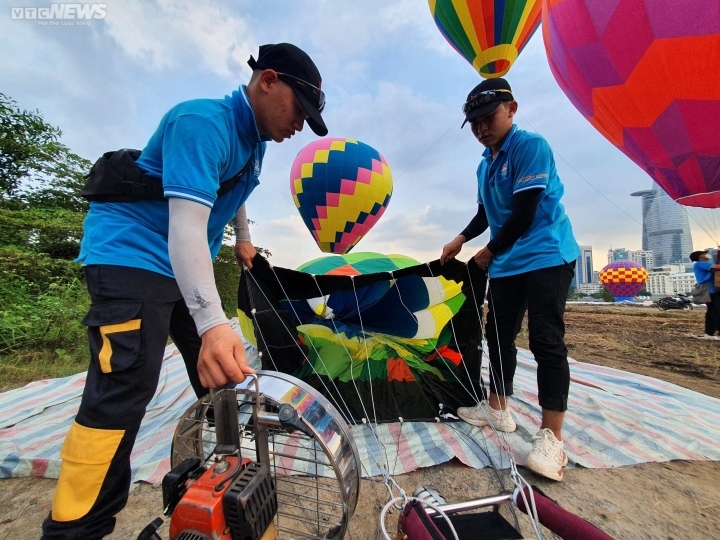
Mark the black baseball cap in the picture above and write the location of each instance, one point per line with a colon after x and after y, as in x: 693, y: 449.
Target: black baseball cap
x: 695, y: 255
x: 296, y: 68
x: 485, y: 98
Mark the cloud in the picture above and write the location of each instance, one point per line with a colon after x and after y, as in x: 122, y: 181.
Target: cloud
x: 163, y: 35
x: 391, y: 79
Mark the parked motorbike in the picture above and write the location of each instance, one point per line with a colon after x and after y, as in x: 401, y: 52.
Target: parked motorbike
x: 675, y: 301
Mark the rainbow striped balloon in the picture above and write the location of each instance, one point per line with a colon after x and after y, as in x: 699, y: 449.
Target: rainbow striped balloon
x: 490, y: 34
x: 341, y: 187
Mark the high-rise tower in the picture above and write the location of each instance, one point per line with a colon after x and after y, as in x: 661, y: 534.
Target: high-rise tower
x: 583, y: 267
x: 665, y: 227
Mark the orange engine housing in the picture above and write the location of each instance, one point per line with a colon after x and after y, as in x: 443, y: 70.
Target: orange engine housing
x: 201, y: 508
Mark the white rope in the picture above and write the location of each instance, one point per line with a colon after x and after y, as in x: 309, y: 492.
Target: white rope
x: 390, y: 483
x: 346, y: 414
x: 405, y: 500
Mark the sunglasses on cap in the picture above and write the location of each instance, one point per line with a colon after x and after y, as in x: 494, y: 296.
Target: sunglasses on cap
x: 312, y: 92
x: 483, y: 98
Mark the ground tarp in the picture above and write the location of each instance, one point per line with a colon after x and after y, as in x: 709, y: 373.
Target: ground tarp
x: 615, y: 419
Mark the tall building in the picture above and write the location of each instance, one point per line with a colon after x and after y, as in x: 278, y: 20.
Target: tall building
x: 665, y: 227
x: 620, y: 254
x: 646, y: 259
x: 583, y: 267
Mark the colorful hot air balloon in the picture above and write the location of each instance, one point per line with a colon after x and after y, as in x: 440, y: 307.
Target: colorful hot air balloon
x: 341, y: 187
x: 646, y: 74
x: 488, y: 33
x: 378, y: 335
x: 623, y: 279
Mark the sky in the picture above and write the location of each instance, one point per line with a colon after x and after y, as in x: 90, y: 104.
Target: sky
x: 391, y: 81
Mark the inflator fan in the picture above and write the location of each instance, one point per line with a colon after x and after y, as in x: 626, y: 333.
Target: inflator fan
x: 270, y: 458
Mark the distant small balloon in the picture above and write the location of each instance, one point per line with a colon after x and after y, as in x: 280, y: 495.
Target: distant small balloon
x: 341, y: 187
x: 623, y: 279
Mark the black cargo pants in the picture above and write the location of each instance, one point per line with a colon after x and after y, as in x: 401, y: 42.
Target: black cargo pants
x: 132, y: 313
x: 544, y: 292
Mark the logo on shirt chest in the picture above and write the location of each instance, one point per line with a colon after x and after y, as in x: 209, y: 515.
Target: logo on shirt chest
x: 503, y: 171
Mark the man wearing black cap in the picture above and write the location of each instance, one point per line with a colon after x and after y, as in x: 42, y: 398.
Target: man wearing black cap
x: 704, y: 271
x: 148, y: 267
x: 530, y: 260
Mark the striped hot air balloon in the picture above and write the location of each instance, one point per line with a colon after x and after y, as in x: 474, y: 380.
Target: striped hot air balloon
x: 490, y: 34
x: 341, y: 187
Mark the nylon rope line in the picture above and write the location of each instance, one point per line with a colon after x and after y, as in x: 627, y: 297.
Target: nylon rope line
x: 400, y: 418
x: 580, y: 175
x: 437, y: 351
x: 475, y: 447
x: 396, y: 288
x: 340, y: 397
x: 515, y: 475
x: 402, y: 302
x: 357, y: 391
x: 346, y: 416
x: 502, y: 441
x: 347, y: 352
x: 346, y: 413
x: 491, y: 371
x: 472, y: 392
x: 367, y: 355
x: 503, y: 446
x: 386, y: 473
x: 388, y: 479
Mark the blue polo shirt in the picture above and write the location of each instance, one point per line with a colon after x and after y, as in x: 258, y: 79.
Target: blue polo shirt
x: 197, y: 145
x: 702, y: 272
x: 525, y: 161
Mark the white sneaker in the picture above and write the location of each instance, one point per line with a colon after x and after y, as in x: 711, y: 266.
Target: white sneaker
x: 483, y: 414
x: 547, y: 458
x: 708, y: 336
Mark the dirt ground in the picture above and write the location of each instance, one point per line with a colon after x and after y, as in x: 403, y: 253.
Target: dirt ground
x: 674, y: 500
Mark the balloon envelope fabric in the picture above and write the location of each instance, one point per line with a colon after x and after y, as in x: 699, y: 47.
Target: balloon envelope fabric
x: 341, y: 187
x: 623, y: 279
x: 382, y: 337
x: 490, y: 34
x: 646, y: 74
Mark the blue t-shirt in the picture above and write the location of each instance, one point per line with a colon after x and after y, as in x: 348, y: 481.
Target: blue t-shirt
x: 702, y: 272
x: 197, y: 145
x: 525, y: 161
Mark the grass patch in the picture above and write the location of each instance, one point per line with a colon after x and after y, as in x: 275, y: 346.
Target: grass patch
x: 19, y: 369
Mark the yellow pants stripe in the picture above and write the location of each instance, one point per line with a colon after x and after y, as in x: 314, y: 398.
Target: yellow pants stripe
x: 86, y: 457
x: 106, y: 351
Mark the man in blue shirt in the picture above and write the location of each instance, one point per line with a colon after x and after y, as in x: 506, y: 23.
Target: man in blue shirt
x: 530, y: 261
x: 704, y: 273
x: 148, y: 267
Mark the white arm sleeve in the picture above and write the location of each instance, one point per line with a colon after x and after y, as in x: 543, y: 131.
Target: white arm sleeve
x: 241, y: 226
x: 191, y: 263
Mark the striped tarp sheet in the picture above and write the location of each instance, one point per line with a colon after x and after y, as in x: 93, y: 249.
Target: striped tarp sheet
x: 615, y: 418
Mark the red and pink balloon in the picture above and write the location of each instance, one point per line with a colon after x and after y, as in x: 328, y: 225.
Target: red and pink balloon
x: 646, y: 75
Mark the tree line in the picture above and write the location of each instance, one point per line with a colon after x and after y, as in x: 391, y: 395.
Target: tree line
x: 42, y: 293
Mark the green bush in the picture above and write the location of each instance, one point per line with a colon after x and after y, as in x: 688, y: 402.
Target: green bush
x: 42, y: 302
x: 227, y: 278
